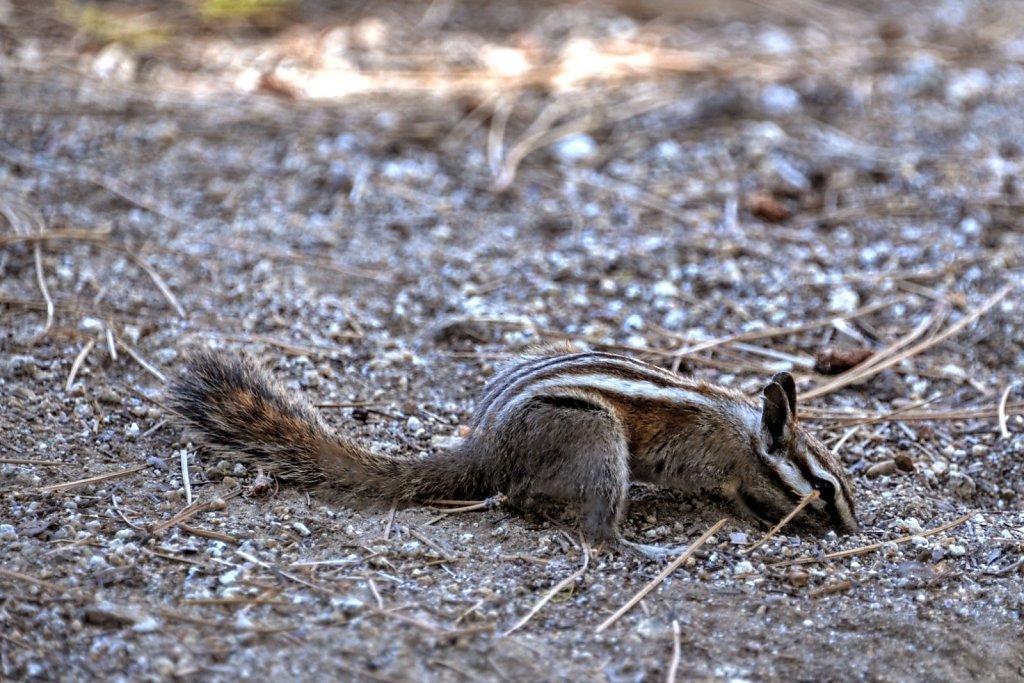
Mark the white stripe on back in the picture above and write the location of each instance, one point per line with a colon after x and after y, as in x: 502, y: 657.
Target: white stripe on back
x: 605, y: 384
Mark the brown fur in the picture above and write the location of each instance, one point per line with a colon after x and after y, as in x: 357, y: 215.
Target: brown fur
x: 575, y: 427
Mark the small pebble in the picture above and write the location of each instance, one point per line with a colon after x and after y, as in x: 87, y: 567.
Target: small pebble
x: 880, y: 469
x: 904, y: 462
x: 578, y: 147
x: 107, y: 395
x: 743, y: 567
x: 738, y: 538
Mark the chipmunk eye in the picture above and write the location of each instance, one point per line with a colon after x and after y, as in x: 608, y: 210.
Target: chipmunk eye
x: 826, y: 488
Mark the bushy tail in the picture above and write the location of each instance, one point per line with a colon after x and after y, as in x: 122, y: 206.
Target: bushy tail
x: 236, y: 408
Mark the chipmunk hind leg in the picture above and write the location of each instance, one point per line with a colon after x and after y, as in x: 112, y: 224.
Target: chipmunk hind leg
x: 574, y: 450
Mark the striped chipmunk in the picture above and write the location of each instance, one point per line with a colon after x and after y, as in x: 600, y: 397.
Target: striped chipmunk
x: 574, y: 427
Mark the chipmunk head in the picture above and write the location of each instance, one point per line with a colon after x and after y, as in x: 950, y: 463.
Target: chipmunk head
x: 793, y: 463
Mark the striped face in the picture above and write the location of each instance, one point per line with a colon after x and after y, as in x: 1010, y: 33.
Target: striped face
x: 797, y: 463
x: 809, y: 466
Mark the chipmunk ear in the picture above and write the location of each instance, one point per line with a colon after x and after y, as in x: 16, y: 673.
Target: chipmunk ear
x: 776, y: 416
x: 788, y: 384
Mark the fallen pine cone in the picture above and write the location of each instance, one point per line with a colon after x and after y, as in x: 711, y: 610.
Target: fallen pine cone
x: 832, y: 360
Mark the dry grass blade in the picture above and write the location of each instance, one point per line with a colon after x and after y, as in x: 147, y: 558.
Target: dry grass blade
x: 288, y: 347
x: 602, y: 343
x: 39, y: 583
x: 24, y: 461
x: 295, y: 257
x: 895, y: 413
x: 771, y: 332
x: 540, y: 134
x: 43, y: 289
x: 504, y: 166
x: 192, y: 510
x: 864, y: 549
x: 186, y: 479
x: 207, y: 533
x: 157, y: 280
x: 677, y: 651
x: 859, y: 370
x: 1004, y: 431
x: 57, y: 236
x: 235, y: 600
x: 141, y: 361
x: 875, y: 366
x: 656, y: 581
x: 837, y: 587
x: 77, y: 364
x: 492, y: 502
x: 91, y: 480
x: 496, y: 133
x: 795, y: 361
x: 287, y: 575
x: 430, y: 543
x: 102, y: 239
x: 26, y: 222
x: 108, y: 333
x: 221, y: 624
x: 558, y: 588
x: 804, y: 502
x: 862, y: 417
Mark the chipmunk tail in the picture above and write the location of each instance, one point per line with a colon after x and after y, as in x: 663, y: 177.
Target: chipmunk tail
x: 232, y: 406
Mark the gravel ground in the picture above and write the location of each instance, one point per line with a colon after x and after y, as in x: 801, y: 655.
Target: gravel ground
x: 493, y: 177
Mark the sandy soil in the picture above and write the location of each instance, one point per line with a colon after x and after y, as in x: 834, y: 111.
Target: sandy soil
x: 381, y: 203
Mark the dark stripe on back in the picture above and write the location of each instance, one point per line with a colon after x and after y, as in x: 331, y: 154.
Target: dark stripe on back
x: 570, y: 402
x: 512, y: 374
x: 615, y: 366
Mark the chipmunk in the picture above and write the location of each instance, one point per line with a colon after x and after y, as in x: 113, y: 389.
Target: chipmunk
x: 570, y: 426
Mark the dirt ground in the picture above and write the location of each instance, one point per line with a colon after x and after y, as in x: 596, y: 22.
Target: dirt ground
x: 381, y: 201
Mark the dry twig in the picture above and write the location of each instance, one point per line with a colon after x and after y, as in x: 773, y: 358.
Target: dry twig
x: 558, y: 587
x: 206, y: 533
x: 677, y: 651
x: 770, y: 332
x: 194, y: 509
x: 874, y: 366
x: 37, y: 253
x: 77, y: 364
x: 864, y: 549
x: 39, y: 583
x: 837, y: 587
x: 52, y: 488
x: 656, y: 581
x: 288, y: 575
x: 24, y: 461
x: 804, y: 502
x: 141, y: 361
x: 1004, y: 431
